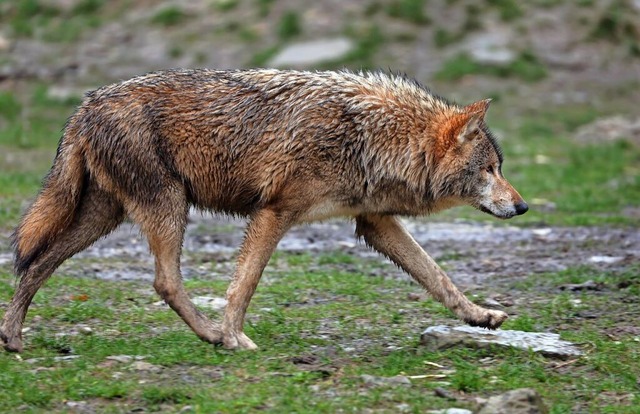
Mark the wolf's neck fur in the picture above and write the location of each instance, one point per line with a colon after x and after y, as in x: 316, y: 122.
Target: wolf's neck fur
x: 401, y: 120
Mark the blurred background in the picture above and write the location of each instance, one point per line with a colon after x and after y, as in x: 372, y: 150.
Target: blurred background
x: 564, y: 76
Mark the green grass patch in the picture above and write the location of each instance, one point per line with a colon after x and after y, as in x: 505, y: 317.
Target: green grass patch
x: 226, y: 5
x: 508, y: 9
x: 289, y: 25
x: 409, y: 10
x: 34, y: 18
x: 169, y: 16
x: 313, y: 349
x: 526, y: 67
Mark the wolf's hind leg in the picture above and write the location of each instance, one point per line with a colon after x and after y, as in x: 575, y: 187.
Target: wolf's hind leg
x: 97, y: 215
x: 387, y: 235
x: 164, y: 226
x: 264, y: 231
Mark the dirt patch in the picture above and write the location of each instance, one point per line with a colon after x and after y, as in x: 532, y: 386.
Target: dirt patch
x: 471, y: 253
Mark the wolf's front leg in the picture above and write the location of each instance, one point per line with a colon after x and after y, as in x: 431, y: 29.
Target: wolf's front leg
x: 387, y: 235
x: 264, y: 231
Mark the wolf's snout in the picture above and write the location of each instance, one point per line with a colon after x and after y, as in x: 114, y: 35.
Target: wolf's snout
x: 521, y: 208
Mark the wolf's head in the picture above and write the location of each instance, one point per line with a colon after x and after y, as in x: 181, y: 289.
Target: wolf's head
x: 470, y: 164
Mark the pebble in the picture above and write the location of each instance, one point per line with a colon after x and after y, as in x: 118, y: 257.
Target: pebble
x: 377, y: 381
x: 210, y: 302
x: 120, y: 358
x: 56, y: 359
x: 145, y: 366
x: 519, y: 401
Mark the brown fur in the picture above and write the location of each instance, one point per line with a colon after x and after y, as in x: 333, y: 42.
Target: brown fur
x: 280, y: 147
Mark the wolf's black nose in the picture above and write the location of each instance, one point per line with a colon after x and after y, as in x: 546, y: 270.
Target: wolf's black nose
x: 521, y: 208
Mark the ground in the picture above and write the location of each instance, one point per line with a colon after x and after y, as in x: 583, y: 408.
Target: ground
x: 329, y: 312
x: 338, y: 326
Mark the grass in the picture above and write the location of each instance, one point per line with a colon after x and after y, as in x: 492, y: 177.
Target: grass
x: 169, y: 16
x: 357, y: 331
x: 34, y: 18
x: 289, y: 25
x: 526, y: 66
x: 616, y: 25
x: 508, y: 9
x: 409, y: 10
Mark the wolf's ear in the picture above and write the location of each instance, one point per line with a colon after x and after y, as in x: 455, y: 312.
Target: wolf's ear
x: 471, y: 127
x: 480, y: 106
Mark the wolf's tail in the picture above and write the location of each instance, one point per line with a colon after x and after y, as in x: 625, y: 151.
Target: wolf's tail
x: 55, y: 206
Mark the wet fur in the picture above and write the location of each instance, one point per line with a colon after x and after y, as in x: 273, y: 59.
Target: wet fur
x: 279, y: 147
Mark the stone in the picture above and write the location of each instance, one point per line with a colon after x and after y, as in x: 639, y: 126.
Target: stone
x: 605, y: 259
x: 210, y: 302
x: 588, y: 285
x: 443, y: 393
x: 64, y: 93
x: 491, y: 303
x: 451, y: 411
x: 491, y: 48
x: 5, y: 44
x: 520, y: 401
x: 55, y: 359
x: 120, y: 358
x: 307, y: 54
x: 378, y: 381
x: 609, y: 129
x: 542, y: 232
x: 76, y: 405
x: 145, y: 366
x: 548, y: 344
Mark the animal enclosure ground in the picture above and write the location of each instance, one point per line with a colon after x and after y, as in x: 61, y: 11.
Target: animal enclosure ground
x: 326, y: 313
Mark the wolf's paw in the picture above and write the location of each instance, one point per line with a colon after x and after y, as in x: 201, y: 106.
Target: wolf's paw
x: 238, y: 341
x: 11, y: 343
x: 491, y: 319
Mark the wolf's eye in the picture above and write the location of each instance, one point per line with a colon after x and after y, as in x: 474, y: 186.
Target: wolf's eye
x: 490, y: 169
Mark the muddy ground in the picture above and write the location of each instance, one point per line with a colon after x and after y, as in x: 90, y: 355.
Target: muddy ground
x: 475, y: 255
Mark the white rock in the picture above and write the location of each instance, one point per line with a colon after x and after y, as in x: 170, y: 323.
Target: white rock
x: 120, y: 358
x: 491, y: 48
x: 4, y: 43
x: 541, y: 232
x: 605, y: 259
x: 76, y: 404
x: 313, y: 52
x: 210, y: 302
x: 549, y: 344
x: 145, y: 366
x: 397, y: 380
x: 56, y: 359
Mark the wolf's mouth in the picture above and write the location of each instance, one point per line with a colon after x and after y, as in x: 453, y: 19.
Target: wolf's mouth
x: 500, y: 216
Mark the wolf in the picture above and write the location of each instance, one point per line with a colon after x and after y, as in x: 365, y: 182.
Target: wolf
x: 277, y: 147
